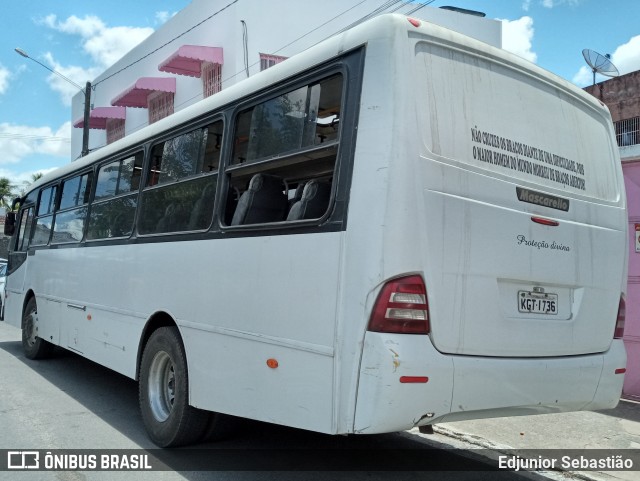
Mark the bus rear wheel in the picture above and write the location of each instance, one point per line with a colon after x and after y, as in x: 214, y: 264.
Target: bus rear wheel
x: 34, y: 347
x: 163, y: 392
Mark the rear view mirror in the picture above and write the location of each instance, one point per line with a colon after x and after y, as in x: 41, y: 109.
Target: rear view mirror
x: 10, y: 223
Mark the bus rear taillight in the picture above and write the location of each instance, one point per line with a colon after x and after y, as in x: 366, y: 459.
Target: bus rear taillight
x: 622, y: 308
x: 401, y: 307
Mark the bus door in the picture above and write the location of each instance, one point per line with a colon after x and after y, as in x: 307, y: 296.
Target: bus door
x: 17, y: 268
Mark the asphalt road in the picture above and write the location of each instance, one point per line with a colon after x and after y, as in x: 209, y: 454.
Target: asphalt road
x: 69, y: 403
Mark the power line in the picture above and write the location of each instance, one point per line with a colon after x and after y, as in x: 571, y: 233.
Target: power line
x: 42, y: 138
x: 419, y: 7
x: 166, y: 43
x: 320, y: 26
x: 384, y: 6
x: 247, y: 66
x: 373, y: 13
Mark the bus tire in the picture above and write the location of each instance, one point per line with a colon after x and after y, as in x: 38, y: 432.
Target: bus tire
x: 164, y: 392
x: 34, y: 347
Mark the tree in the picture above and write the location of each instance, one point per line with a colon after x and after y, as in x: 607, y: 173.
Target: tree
x: 27, y: 183
x: 6, y: 192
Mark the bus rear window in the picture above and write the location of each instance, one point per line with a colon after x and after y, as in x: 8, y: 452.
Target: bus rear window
x: 510, y: 123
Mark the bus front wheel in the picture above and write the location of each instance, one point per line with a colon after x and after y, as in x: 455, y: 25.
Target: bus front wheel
x: 34, y: 347
x: 163, y: 392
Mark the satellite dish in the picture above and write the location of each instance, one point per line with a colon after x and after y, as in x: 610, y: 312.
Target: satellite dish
x: 599, y: 64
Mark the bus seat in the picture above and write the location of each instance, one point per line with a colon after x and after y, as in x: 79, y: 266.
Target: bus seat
x: 263, y: 201
x: 121, y: 225
x: 174, y: 219
x: 314, y: 201
x: 232, y: 202
x: 163, y: 222
x: 297, y: 195
x: 202, y: 210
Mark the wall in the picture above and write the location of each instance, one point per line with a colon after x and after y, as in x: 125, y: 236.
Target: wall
x: 621, y: 94
x: 622, y: 97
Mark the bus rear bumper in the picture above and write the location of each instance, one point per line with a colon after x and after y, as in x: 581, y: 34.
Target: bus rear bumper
x: 404, y: 382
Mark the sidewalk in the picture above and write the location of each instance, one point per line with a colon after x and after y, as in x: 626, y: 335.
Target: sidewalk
x: 613, y: 429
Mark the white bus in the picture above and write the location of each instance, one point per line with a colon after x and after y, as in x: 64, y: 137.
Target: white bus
x: 397, y: 227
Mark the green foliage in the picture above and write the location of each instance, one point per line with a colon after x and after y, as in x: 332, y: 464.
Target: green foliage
x: 6, y: 193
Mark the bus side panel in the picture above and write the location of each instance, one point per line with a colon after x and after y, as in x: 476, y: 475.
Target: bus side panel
x: 94, y: 306
x: 384, y: 402
x: 14, y: 290
x: 48, y: 309
x: 260, y: 338
x: 232, y: 376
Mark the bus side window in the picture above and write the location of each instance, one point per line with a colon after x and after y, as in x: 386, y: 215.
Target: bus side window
x: 44, y: 216
x: 71, y: 216
x: 293, y: 137
x: 114, y: 205
x: 181, y: 182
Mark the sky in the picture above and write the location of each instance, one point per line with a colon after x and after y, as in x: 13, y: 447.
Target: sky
x: 80, y: 39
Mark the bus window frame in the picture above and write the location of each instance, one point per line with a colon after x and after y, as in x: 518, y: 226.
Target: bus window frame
x: 56, y: 183
x: 89, y: 170
x: 344, y: 146
x: 199, y: 124
x: 350, y: 65
x: 20, y: 239
x: 132, y: 151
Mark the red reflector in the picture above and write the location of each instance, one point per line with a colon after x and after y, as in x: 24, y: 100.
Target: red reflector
x: 414, y: 379
x: 622, y: 311
x: 414, y: 22
x: 401, y: 307
x: 620, y: 371
x: 543, y: 221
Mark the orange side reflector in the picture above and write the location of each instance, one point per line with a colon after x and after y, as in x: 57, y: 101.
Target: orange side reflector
x: 272, y: 363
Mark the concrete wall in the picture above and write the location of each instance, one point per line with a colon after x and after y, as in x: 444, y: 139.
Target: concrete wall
x: 621, y: 94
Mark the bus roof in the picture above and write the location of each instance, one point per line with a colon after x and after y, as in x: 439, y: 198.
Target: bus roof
x: 387, y: 25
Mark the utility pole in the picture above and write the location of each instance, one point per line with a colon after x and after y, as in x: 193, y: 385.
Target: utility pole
x: 87, y: 99
x: 85, y: 125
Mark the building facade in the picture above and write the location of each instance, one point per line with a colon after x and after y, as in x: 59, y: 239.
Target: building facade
x: 622, y: 96
x: 212, y: 44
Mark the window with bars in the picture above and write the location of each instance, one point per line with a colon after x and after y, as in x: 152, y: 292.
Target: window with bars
x: 211, y: 78
x: 267, y: 60
x: 115, y: 130
x: 628, y: 131
x: 160, y: 106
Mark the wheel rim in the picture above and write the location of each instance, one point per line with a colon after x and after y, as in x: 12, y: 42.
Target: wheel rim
x: 31, y: 328
x: 162, y: 386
